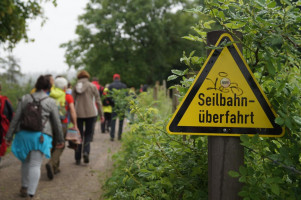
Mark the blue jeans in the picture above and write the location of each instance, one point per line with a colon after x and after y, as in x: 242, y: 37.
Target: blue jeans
x: 86, y: 135
x: 113, y: 123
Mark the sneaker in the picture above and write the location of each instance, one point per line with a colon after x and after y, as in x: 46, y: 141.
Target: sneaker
x: 49, y: 171
x: 86, y: 158
x: 77, y: 162
x: 32, y: 198
x: 119, y: 137
x: 112, y: 139
x: 23, y: 192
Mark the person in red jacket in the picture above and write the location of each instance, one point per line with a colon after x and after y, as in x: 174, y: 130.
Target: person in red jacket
x: 6, y: 115
x: 99, y: 87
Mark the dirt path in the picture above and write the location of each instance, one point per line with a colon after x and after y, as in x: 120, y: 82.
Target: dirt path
x: 74, y: 182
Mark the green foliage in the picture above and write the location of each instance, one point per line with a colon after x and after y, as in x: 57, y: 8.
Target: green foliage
x: 268, y: 173
x: 14, y: 16
x: 140, y: 39
x: 271, y: 45
x: 121, y: 101
x: 9, y: 80
x: 13, y: 91
x: 153, y: 164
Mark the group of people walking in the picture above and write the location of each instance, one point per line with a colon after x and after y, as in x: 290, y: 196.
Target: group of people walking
x: 40, y: 123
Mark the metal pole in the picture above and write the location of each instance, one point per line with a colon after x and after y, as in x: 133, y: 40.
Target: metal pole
x: 224, y: 154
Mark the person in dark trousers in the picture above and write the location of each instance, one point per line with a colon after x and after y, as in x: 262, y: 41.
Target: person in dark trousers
x: 118, y: 85
x: 107, y: 105
x: 88, y: 106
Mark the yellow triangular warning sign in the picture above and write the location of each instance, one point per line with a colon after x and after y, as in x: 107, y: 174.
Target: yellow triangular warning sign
x: 225, y: 99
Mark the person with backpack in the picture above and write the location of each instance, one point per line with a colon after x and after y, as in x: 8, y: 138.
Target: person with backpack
x: 118, y: 85
x: 107, y: 104
x: 86, y: 97
x: 6, y: 115
x: 31, y: 131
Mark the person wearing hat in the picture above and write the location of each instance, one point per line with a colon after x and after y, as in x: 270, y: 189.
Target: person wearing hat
x: 118, y: 85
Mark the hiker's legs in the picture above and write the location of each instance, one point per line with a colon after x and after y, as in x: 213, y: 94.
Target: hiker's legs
x: 89, y: 127
x: 54, y: 161
x: 113, y: 123
x: 24, y: 172
x: 78, y: 151
x: 93, y: 128
x: 31, y: 171
x: 108, y: 117
x: 103, y: 126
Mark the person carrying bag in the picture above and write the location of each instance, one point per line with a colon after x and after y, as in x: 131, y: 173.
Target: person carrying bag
x: 32, y: 142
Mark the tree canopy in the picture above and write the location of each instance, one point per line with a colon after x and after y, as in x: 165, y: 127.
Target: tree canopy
x: 14, y: 16
x: 140, y: 39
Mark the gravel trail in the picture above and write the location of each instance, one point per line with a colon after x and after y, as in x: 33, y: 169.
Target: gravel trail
x: 74, y: 182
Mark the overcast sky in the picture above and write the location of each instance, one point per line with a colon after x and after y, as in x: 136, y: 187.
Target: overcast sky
x: 44, y: 54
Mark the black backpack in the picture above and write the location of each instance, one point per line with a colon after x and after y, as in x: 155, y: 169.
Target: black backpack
x: 31, y: 118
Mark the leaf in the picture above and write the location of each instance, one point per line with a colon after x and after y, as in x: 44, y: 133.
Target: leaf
x: 272, y: 4
x: 229, y: 25
x: 125, y: 179
x: 177, y: 72
x: 208, y: 24
x: 269, y: 65
x: 243, y: 170
x: 172, y: 77
x: 191, y: 53
x: 221, y: 15
x: 243, y: 193
x: 271, y: 180
x: 235, y: 25
x: 189, y: 38
x: 242, y: 179
x: 196, y: 60
x: 233, y: 174
x: 275, y: 189
x: 288, y: 123
x: 245, y: 140
x: 255, y: 139
x: 279, y: 121
x: 297, y: 119
x: 201, y: 33
x: 137, y: 191
x: 173, y: 143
